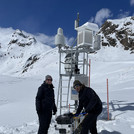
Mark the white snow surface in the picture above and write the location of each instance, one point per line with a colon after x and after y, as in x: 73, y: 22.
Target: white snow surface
x: 18, y: 91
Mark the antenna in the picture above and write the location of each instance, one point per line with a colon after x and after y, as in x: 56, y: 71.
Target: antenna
x: 77, y: 21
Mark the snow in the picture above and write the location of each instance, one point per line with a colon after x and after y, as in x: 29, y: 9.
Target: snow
x: 89, y: 25
x: 17, y: 94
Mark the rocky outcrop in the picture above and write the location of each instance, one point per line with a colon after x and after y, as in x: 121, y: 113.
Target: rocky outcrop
x: 118, y: 32
x: 30, y: 62
x: 19, y: 38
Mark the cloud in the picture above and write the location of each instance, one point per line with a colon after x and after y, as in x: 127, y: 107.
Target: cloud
x: 49, y: 40
x: 45, y: 39
x: 123, y: 14
x: 131, y: 2
x: 70, y: 41
x: 91, y: 19
x: 101, y: 15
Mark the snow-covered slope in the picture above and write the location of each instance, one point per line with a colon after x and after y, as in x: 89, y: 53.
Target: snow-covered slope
x: 17, y: 103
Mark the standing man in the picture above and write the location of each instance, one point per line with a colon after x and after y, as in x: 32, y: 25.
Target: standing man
x: 92, y: 104
x: 45, y: 104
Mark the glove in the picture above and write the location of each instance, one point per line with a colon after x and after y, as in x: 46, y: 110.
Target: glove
x: 54, y: 112
x: 38, y: 112
x: 54, y: 109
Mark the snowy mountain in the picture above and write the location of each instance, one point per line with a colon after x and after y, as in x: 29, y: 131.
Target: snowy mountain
x: 118, y: 32
x: 19, y: 51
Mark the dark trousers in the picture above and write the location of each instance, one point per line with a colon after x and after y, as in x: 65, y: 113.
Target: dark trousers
x: 89, y: 124
x: 44, y: 122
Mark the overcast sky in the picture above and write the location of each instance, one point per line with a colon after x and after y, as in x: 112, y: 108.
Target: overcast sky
x: 45, y: 16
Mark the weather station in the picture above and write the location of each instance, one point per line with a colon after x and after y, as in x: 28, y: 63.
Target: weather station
x: 73, y: 65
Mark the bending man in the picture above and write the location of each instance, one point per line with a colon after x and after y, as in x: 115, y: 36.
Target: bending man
x: 92, y: 104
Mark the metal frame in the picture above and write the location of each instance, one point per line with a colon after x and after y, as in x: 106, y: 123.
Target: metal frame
x: 83, y: 63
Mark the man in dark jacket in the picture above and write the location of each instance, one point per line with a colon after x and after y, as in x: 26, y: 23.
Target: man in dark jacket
x: 92, y: 104
x: 45, y: 104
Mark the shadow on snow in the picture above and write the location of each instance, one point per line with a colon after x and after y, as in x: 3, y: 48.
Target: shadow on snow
x: 107, y: 132
x: 115, y: 105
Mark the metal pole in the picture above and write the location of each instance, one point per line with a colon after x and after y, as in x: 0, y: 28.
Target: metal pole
x: 107, y: 101
x: 78, y: 18
x: 84, y: 63
x: 87, y: 65
x: 61, y: 95
x: 60, y: 83
x: 59, y: 76
x: 89, y: 70
x: 59, y: 62
x: 70, y: 77
x: 68, y: 91
x: 77, y: 54
x: 58, y: 93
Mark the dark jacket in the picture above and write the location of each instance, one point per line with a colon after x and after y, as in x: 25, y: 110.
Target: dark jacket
x: 89, y: 100
x: 45, y: 100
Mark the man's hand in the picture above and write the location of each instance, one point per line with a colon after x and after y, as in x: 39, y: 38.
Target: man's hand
x: 75, y: 115
x: 38, y: 112
x: 84, y: 113
x: 54, y: 111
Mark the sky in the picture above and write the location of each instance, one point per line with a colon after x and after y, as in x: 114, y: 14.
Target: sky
x: 46, y: 16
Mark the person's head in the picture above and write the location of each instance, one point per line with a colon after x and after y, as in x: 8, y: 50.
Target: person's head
x: 77, y: 85
x: 48, y: 79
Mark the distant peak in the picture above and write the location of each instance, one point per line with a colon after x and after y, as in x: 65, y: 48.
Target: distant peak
x: 21, y: 39
x: 118, y: 32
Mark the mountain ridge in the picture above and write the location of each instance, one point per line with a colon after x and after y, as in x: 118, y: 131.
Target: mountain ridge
x: 20, y: 52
